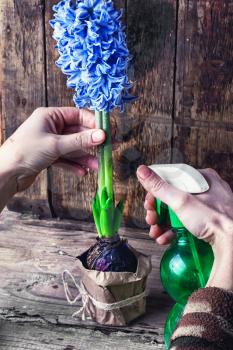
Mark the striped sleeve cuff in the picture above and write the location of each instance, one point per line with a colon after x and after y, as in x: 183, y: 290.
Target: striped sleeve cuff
x: 207, y: 322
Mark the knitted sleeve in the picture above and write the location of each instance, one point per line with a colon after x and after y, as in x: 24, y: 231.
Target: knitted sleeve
x: 207, y: 322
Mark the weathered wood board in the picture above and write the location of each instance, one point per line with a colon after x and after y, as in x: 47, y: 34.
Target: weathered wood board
x: 60, y: 338
x: 23, y: 82
x: 203, y: 126
x: 33, y: 255
x: 146, y: 127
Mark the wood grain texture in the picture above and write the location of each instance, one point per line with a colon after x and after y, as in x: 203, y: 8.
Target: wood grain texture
x: 33, y: 255
x: 146, y: 127
x: 23, y: 87
x: 50, y: 338
x: 203, y: 129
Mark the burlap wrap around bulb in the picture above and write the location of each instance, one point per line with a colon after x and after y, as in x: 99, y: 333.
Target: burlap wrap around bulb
x: 114, y: 298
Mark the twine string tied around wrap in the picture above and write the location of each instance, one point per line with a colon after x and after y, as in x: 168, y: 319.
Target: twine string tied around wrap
x: 84, y: 296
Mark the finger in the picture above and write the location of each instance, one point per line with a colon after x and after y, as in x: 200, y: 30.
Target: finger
x: 160, y: 189
x: 77, y: 154
x: 72, y: 116
x: 73, y: 167
x: 85, y: 159
x: 151, y: 217
x: 149, y: 197
x: 166, y: 238
x: 73, y: 129
x: 149, y: 202
x: 89, y: 162
x: 210, y: 175
x: 155, y: 231
x: 85, y: 139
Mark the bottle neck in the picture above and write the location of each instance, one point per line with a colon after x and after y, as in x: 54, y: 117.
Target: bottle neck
x: 181, y: 235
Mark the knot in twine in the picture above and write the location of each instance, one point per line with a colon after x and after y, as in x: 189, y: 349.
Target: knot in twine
x: 85, y: 297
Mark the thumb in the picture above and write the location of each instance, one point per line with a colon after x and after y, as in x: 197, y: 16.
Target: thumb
x: 79, y: 141
x: 174, y: 198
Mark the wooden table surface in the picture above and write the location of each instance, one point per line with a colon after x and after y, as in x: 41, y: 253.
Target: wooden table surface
x: 33, y: 311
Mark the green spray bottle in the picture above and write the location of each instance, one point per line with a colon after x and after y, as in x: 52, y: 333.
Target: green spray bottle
x: 187, y: 263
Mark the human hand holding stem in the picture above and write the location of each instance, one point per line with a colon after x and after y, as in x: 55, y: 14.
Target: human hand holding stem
x: 59, y: 136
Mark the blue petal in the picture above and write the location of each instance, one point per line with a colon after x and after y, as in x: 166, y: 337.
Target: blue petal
x: 93, y: 52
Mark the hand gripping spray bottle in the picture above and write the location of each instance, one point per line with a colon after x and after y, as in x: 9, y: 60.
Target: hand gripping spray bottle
x: 187, y: 263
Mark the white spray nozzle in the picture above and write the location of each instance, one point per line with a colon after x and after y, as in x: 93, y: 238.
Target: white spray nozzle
x: 182, y: 176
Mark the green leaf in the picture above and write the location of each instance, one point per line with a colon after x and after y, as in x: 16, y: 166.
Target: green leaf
x: 96, y: 215
x: 118, y: 216
x: 97, y: 201
x: 104, y: 197
x: 106, y: 223
x: 110, y: 205
x: 120, y: 206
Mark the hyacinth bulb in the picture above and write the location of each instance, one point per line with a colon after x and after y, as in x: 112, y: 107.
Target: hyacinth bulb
x: 179, y: 273
x: 111, y: 255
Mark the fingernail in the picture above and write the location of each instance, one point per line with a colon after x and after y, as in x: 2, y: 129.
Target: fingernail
x: 97, y: 136
x: 159, y: 240
x: 143, y: 172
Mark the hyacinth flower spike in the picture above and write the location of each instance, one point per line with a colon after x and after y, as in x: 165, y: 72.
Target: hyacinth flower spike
x: 93, y: 54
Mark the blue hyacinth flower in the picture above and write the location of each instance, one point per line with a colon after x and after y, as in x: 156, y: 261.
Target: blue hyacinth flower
x: 93, y: 53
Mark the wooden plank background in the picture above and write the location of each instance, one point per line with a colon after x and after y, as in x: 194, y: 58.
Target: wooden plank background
x: 182, y: 68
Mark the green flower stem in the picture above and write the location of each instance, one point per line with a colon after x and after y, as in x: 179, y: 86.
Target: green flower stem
x: 107, y: 217
x: 101, y: 177
x: 108, y: 167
